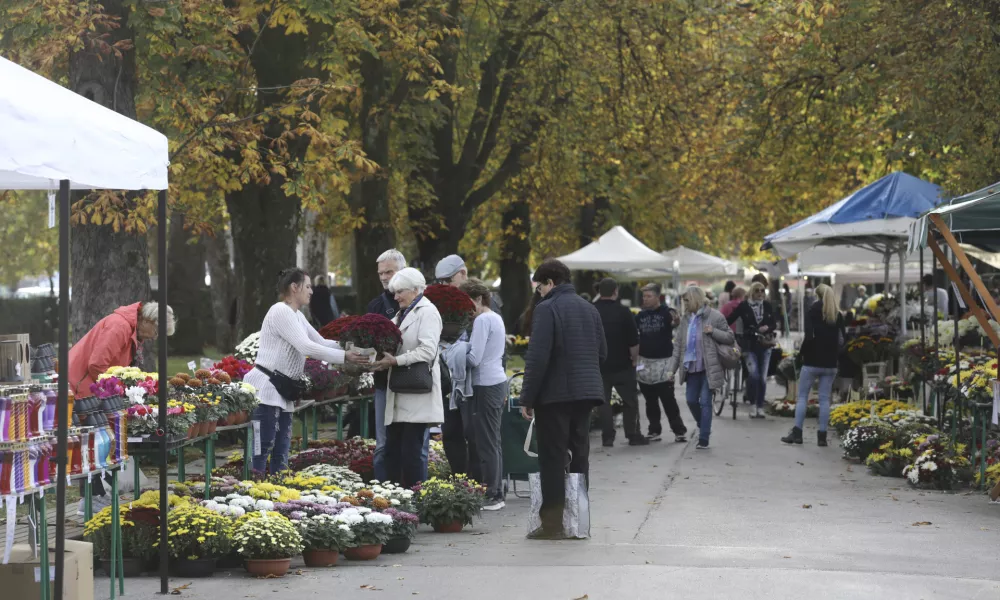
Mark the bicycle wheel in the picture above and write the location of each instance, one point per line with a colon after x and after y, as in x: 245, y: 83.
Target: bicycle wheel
x: 736, y: 390
x: 719, y: 398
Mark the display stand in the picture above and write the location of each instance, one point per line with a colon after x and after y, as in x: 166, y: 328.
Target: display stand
x: 309, y: 410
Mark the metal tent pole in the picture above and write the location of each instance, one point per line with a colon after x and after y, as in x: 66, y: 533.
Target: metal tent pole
x: 161, y: 278
x: 62, y: 406
x: 923, y: 326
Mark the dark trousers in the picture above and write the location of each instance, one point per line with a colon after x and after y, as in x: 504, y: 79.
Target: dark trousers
x: 563, y: 430
x: 404, y: 444
x: 624, y: 383
x: 456, y: 449
x: 481, y: 420
x: 655, y: 393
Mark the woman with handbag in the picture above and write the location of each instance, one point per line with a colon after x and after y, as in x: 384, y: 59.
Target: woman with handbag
x: 700, y: 337
x: 759, y: 330
x: 286, y: 339
x: 413, y: 398
x: 820, y: 350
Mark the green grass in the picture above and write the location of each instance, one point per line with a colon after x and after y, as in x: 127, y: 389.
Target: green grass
x: 178, y: 363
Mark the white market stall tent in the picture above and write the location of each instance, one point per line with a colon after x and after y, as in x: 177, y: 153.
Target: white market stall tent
x: 617, y: 251
x: 53, y: 138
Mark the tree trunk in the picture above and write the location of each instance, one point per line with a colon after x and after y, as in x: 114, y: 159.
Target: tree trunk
x: 515, y: 250
x: 593, y: 222
x: 221, y: 271
x: 371, y: 196
x: 108, y: 269
x: 186, y: 288
x: 314, y: 247
x: 265, y: 220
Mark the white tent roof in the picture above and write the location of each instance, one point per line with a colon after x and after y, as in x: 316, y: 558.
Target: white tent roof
x: 692, y: 262
x: 50, y: 133
x: 617, y: 250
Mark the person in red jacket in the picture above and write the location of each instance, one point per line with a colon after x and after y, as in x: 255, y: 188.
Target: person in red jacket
x: 114, y: 342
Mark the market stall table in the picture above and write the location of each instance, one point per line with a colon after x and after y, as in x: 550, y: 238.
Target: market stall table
x: 309, y: 409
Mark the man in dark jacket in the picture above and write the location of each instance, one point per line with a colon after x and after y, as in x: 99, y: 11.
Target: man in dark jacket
x: 562, y: 384
x: 389, y: 263
x: 618, y: 369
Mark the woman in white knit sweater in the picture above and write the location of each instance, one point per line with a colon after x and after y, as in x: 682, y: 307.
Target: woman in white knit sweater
x: 286, y: 339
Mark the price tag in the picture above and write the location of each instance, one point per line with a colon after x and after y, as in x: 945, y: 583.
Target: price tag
x: 192, y: 365
x: 256, y: 438
x: 958, y: 296
x: 38, y: 574
x: 52, y: 210
x: 134, y: 440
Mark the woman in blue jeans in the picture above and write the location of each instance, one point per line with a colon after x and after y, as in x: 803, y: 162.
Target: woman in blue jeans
x: 286, y: 339
x: 696, y: 354
x: 820, y: 349
x: 759, y: 325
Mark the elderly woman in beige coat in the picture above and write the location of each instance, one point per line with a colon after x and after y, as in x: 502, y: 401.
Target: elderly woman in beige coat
x: 408, y: 415
x: 696, y: 354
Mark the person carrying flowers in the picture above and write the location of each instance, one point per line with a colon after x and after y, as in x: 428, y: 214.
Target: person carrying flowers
x: 286, y: 340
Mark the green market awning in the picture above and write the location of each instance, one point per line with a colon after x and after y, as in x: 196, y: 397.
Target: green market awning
x: 974, y: 219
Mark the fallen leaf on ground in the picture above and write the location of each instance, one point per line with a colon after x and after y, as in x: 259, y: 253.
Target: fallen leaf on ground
x: 299, y: 572
x: 370, y: 587
x: 849, y: 469
x: 583, y: 597
x: 801, y: 463
x: 920, y: 523
x: 177, y: 590
x: 807, y: 506
x: 894, y: 497
x: 786, y: 557
x: 729, y: 464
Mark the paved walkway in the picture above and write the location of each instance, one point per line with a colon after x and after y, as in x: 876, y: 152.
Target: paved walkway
x: 750, y: 518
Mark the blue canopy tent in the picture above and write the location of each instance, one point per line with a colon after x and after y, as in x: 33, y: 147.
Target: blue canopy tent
x: 877, y: 218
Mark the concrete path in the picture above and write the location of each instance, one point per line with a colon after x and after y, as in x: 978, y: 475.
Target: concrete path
x: 750, y: 518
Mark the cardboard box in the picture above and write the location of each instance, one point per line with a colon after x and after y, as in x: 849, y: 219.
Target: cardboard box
x: 20, y: 578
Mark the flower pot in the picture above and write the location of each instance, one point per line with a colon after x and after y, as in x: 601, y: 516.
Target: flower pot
x: 369, y: 552
x: 265, y: 567
x: 193, y: 431
x: 244, y: 416
x: 212, y: 426
x: 131, y: 567
x: 453, y: 527
x: 396, y: 545
x: 321, y: 558
x: 231, y: 418
x: 223, y: 421
x: 229, y: 561
x: 199, y: 567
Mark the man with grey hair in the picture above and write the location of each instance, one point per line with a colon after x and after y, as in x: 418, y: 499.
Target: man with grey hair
x: 451, y: 270
x: 389, y: 263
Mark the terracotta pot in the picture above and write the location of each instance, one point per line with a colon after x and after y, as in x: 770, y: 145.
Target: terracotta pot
x: 260, y: 567
x: 212, y: 427
x: 396, y: 545
x: 321, y: 558
x: 223, y: 421
x: 370, y: 552
x: 131, y: 567
x: 193, y: 431
x: 231, y: 418
x: 200, y: 567
x: 453, y: 527
x: 244, y: 416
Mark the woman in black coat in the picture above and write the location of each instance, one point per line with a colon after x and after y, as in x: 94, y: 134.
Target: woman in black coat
x: 757, y: 316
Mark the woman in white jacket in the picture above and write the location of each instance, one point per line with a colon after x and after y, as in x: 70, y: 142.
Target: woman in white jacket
x: 286, y: 339
x: 408, y: 415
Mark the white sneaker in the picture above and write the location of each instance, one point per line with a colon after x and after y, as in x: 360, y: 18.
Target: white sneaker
x: 495, y: 505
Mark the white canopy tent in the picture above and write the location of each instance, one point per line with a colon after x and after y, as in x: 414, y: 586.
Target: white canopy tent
x: 617, y: 251
x: 53, y: 138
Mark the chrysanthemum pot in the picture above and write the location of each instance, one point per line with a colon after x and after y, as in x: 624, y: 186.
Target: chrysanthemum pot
x: 268, y: 567
x: 199, y: 567
x: 321, y: 558
x: 452, y: 527
x: 370, y: 552
x: 396, y: 545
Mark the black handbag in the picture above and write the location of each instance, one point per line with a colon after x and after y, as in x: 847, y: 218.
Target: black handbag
x: 289, y: 388
x: 417, y: 378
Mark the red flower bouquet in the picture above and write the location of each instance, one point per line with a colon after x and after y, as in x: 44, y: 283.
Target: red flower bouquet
x: 334, y: 329
x: 372, y: 331
x: 456, y: 307
x: 234, y: 367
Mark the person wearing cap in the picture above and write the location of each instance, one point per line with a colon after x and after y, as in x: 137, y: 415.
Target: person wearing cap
x: 451, y: 270
x: 618, y: 369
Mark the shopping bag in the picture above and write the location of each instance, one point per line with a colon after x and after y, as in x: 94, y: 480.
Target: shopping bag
x: 576, y: 513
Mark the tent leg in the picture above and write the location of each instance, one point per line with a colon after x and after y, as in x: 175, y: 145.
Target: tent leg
x: 62, y: 406
x: 902, y: 289
x: 161, y: 276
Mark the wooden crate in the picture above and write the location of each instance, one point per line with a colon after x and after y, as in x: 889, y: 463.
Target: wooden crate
x: 15, y: 358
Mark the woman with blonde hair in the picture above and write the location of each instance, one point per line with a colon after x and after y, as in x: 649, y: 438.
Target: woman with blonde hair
x: 820, y: 349
x: 696, y: 353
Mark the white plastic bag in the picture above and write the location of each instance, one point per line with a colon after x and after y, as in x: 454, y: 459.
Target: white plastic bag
x: 576, y: 512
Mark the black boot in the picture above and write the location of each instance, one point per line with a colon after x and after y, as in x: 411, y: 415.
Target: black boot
x: 794, y: 436
x: 820, y: 438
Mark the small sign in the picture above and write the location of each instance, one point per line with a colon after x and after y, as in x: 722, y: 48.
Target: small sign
x: 134, y: 440
x: 38, y: 574
x: 52, y: 210
x: 958, y: 297
x: 256, y: 438
x: 192, y: 365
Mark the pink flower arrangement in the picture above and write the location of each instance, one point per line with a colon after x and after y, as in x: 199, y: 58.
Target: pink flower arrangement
x: 108, y: 387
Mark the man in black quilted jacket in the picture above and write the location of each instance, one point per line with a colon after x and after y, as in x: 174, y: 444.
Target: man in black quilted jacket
x: 562, y: 385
